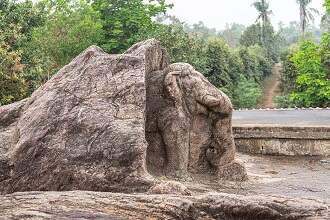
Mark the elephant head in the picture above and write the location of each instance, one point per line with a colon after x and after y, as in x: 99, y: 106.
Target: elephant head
x: 182, y: 81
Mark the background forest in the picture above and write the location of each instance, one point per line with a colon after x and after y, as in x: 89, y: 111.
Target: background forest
x: 37, y: 38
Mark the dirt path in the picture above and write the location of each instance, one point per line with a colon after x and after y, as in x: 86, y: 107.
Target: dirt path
x: 271, y: 87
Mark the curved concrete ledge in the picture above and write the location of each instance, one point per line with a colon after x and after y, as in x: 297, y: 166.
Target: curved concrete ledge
x: 283, y: 140
x: 301, y: 132
x: 283, y: 132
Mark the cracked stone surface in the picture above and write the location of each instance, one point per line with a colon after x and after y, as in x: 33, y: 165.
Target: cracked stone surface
x: 188, y: 125
x: 83, y: 129
x: 129, y: 123
x: 104, y: 122
x: 101, y: 206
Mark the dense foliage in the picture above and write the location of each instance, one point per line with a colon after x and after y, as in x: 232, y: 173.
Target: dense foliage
x: 232, y: 34
x: 36, y: 39
x: 70, y: 27
x: 16, y: 24
x: 306, y: 74
x: 264, y: 36
x: 327, y: 5
x: 232, y: 70
x: 312, y: 85
x: 124, y: 20
x: 39, y: 37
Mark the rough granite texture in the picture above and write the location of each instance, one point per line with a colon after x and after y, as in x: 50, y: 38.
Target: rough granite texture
x: 188, y: 124
x: 87, y: 128
x: 101, y: 206
x: 104, y: 206
x: 118, y: 123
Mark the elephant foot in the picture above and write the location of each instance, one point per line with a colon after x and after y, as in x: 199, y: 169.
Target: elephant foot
x: 234, y: 171
x: 169, y: 187
x: 179, y: 175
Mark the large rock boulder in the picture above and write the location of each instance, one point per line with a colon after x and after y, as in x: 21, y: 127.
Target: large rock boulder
x: 103, y: 120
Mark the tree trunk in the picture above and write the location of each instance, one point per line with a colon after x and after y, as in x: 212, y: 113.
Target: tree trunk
x: 303, y: 19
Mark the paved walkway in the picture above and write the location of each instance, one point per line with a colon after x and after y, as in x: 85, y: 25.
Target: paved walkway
x: 318, y: 118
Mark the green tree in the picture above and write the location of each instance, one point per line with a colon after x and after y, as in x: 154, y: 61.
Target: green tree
x: 232, y: 34
x: 289, y: 73
x: 181, y: 46
x: 327, y: 5
x: 217, y: 56
x: 247, y: 94
x: 289, y: 34
x: 125, y: 20
x: 255, y: 62
x: 16, y: 24
x: 312, y: 86
x: 201, y: 30
x: 325, y: 23
x: 325, y: 53
x: 326, y: 17
x: 12, y: 83
x: 70, y: 27
x: 251, y: 36
x: 262, y: 6
x: 325, y: 45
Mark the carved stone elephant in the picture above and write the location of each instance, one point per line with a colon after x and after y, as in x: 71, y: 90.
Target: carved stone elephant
x: 188, y: 125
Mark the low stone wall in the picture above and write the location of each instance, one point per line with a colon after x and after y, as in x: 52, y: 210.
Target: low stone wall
x: 283, y: 140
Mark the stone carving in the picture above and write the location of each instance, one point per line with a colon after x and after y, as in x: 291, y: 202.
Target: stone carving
x: 90, y: 126
x: 188, y: 123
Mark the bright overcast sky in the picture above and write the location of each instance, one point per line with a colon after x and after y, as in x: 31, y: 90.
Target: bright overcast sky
x: 216, y: 13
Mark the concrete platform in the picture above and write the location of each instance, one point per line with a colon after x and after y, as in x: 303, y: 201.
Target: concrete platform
x: 297, y: 177
x: 283, y: 132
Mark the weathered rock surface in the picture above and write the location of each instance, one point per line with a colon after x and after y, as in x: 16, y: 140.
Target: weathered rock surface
x: 98, y: 122
x: 102, y: 206
x: 188, y: 124
x: 105, y: 123
x: 8, y: 134
x: 84, y: 129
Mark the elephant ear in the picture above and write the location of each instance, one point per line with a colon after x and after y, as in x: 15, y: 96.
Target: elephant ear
x: 172, y: 87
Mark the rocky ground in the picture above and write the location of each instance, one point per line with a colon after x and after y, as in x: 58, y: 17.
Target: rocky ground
x: 297, y: 177
x: 278, y: 188
x: 102, y: 206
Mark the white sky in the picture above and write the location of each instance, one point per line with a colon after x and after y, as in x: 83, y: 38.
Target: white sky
x: 216, y: 13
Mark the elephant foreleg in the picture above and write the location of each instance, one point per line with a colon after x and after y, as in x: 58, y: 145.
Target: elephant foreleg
x: 222, y: 132
x: 176, y: 139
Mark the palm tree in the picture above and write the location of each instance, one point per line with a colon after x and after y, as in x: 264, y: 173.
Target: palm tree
x: 306, y: 14
x: 262, y: 6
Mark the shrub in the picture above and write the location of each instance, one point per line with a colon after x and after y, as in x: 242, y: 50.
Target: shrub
x: 312, y: 86
x: 247, y: 94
